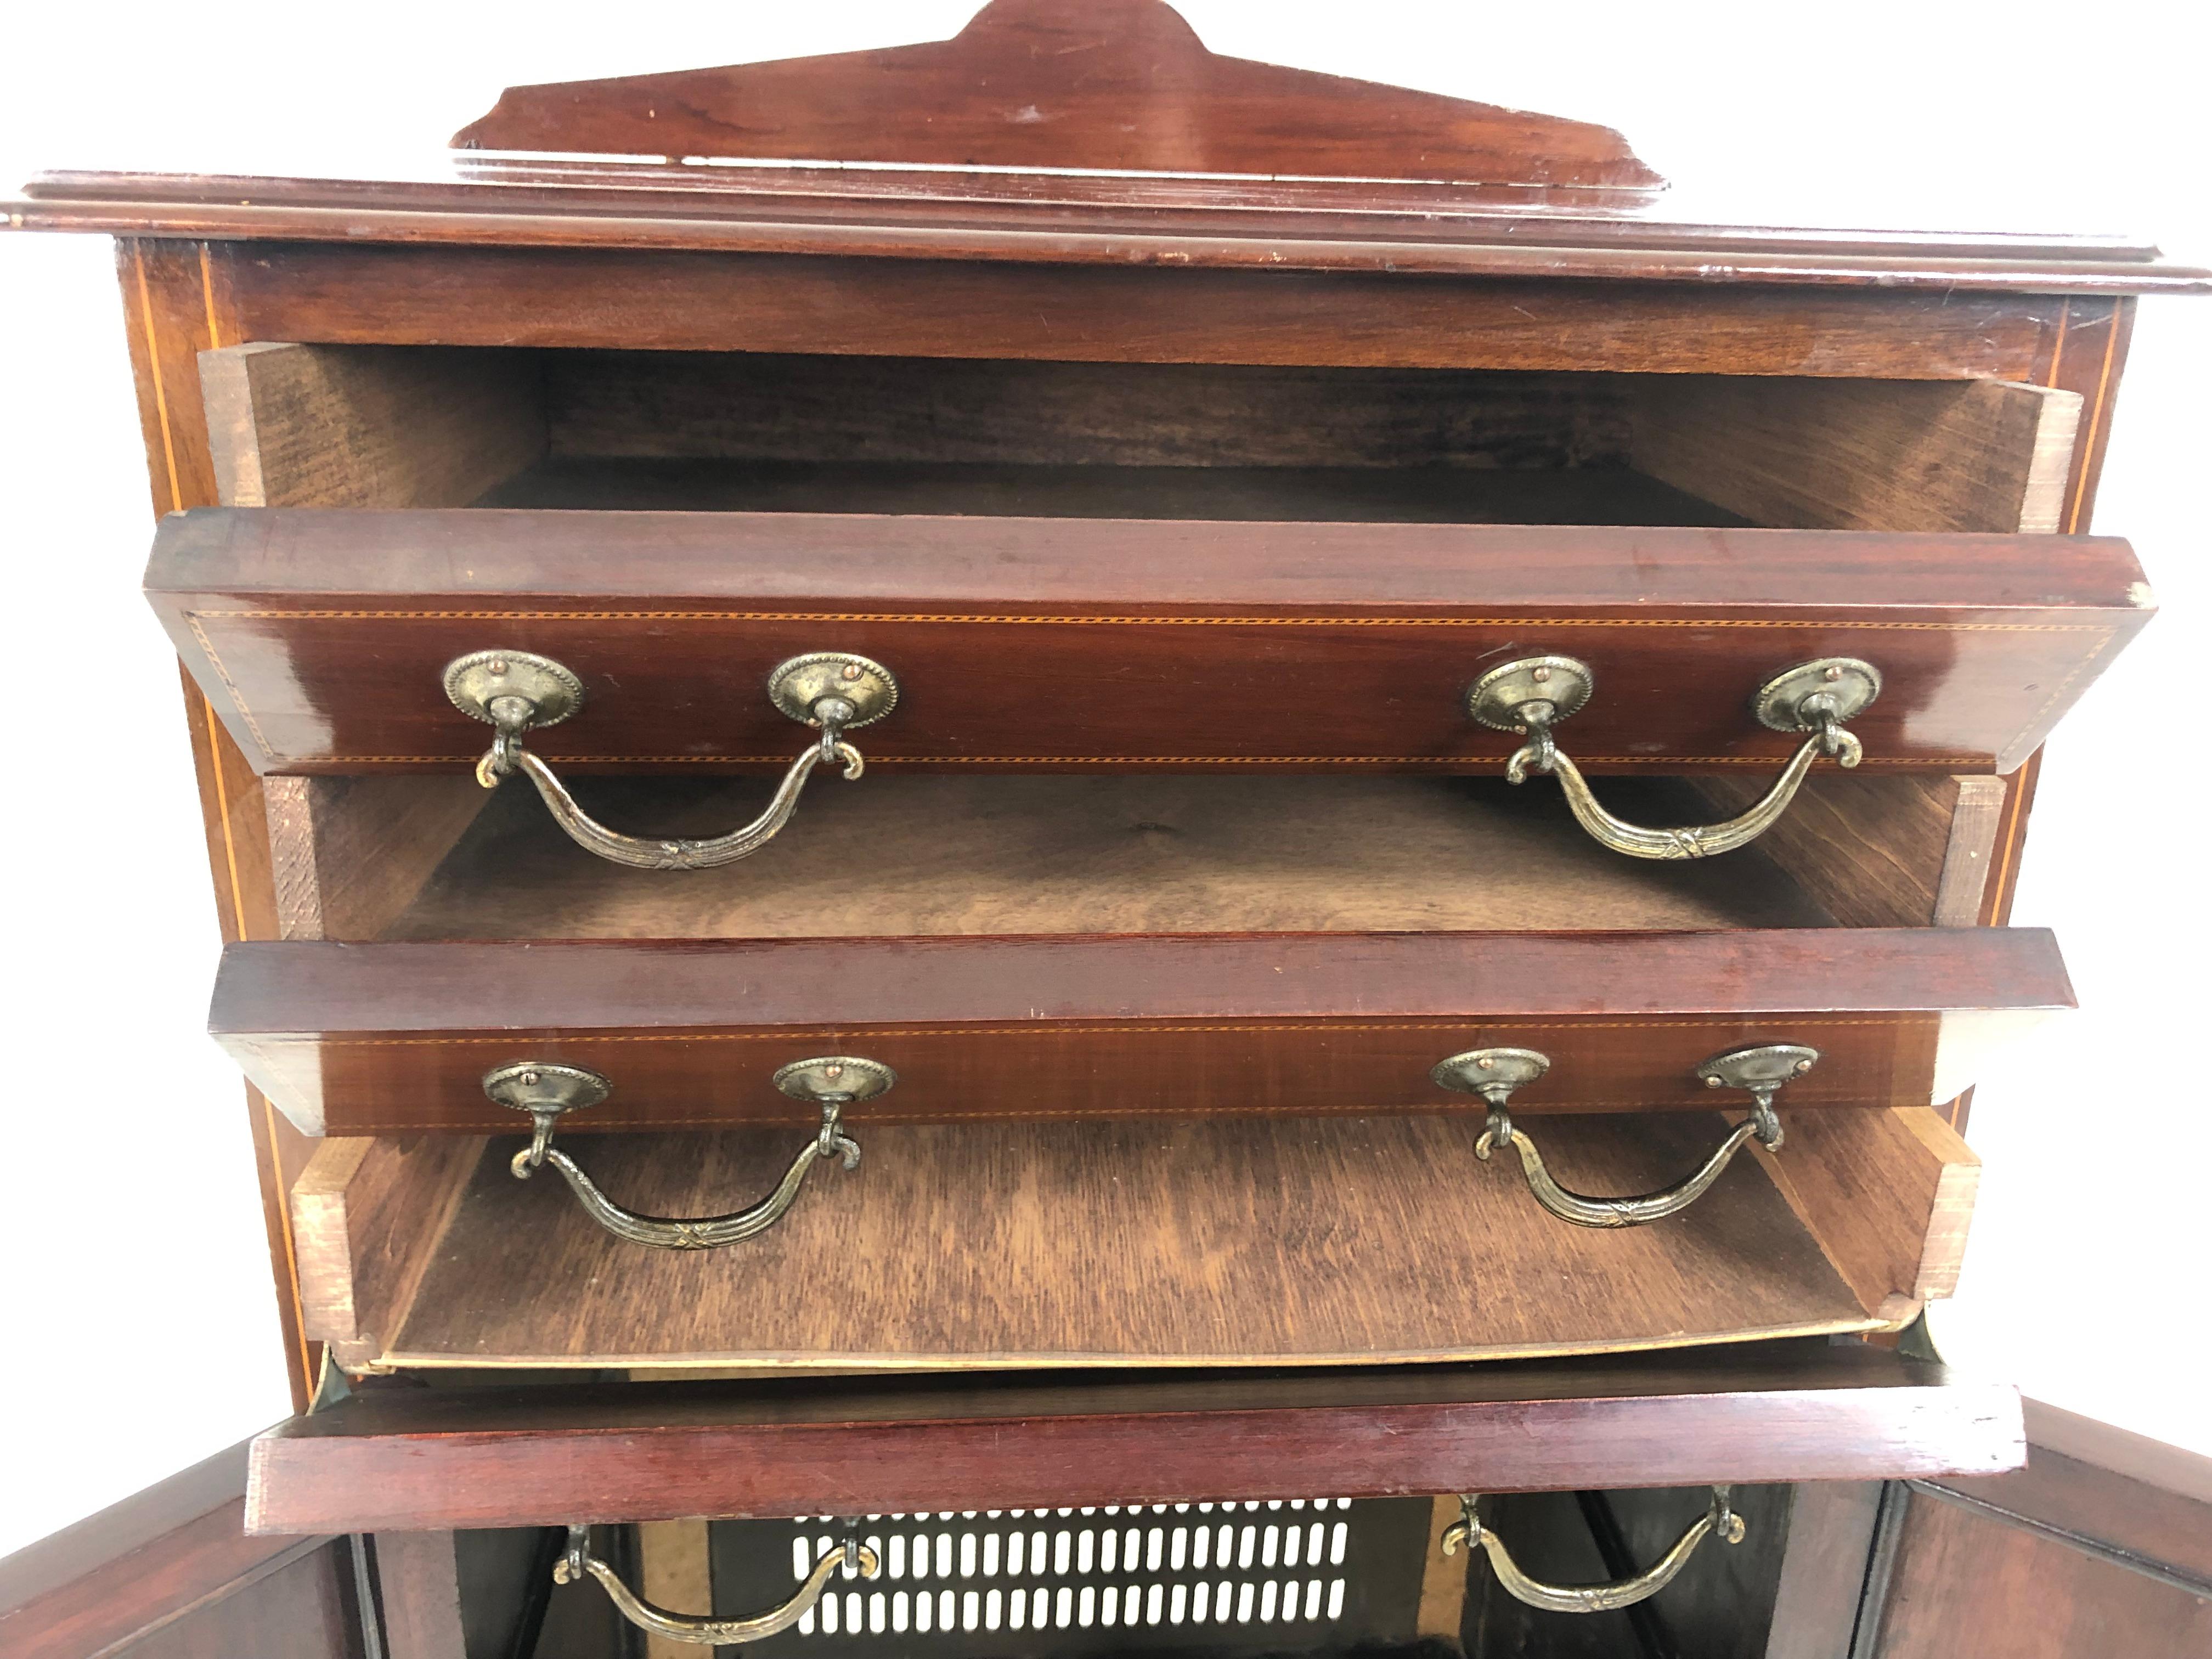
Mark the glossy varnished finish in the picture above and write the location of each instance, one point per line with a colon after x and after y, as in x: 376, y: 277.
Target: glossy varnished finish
x: 1122, y: 85
x: 2101, y: 1546
x: 169, y: 1573
x: 801, y: 302
x: 415, y: 1459
x: 355, y: 1039
x: 1130, y: 642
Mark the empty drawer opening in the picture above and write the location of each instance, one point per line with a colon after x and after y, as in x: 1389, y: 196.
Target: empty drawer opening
x: 415, y: 857
x: 395, y: 426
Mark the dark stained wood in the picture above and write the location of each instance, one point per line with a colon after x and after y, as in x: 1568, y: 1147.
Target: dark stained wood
x: 418, y: 1581
x: 391, y: 1038
x: 1123, y: 85
x: 480, y: 1457
x: 349, y: 855
x: 299, y: 426
x: 1284, y: 227
x: 2101, y: 1546
x: 1168, y: 641
x: 1332, y: 495
x: 2127, y: 1492
x: 1962, y: 1578
x: 177, y: 303
x: 1204, y: 1242
x: 945, y: 411
x: 1863, y: 455
x: 590, y: 297
x: 1875, y: 851
x: 1824, y: 1569
x: 170, y: 1573
x: 1121, y: 853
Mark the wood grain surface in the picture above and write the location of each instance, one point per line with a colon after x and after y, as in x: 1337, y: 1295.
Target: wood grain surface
x: 1273, y: 228
x: 170, y: 1573
x: 1964, y: 1575
x: 1124, y: 85
x: 537, y: 1456
x: 370, y: 293
x: 1206, y: 1242
x: 302, y: 426
x: 1052, y: 643
x: 891, y: 855
x: 1983, y: 455
x: 392, y: 1038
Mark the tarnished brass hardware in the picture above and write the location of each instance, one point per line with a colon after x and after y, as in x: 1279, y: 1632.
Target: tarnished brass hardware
x: 1591, y: 1598
x: 1495, y: 1073
x: 1533, y: 694
x: 546, y: 1090
x: 578, y: 1562
x: 516, y: 691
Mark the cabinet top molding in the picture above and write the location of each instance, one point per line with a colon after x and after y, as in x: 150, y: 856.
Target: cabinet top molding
x: 1072, y: 132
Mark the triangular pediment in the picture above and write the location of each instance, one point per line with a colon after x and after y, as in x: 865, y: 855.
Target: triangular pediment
x: 1112, y: 85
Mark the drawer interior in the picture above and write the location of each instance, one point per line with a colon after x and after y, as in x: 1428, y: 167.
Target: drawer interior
x: 415, y: 857
x: 394, y: 426
x: 1207, y: 1241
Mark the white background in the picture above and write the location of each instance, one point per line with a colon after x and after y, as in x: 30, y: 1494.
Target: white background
x: 137, y: 1331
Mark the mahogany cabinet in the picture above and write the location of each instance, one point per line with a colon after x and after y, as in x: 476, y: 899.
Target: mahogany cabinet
x: 1341, y: 795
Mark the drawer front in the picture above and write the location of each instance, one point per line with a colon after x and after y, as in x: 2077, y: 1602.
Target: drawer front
x: 417, y: 1459
x: 397, y: 1038
x: 323, y: 636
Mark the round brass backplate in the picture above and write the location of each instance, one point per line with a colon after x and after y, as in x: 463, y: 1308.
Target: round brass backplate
x: 534, y: 1086
x: 1768, y: 1066
x: 1496, y: 698
x: 1480, y: 1069
x: 835, y: 1074
x: 473, y: 681
x: 1852, y: 683
x: 798, y: 683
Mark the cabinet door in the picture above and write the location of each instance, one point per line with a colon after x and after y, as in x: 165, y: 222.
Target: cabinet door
x: 171, y: 1573
x: 2101, y: 1546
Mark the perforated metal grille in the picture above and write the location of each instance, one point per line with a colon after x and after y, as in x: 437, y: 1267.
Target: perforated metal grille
x: 1257, y: 1576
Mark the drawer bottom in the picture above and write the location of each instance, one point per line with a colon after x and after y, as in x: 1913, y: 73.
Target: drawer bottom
x: 980, y: 1246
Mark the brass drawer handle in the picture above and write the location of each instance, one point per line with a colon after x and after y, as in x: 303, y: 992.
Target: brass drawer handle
x: 1535, y: 694
x: 1592, y: 1598
x: 546, y: 1090
x: 578, y: 1560
x: 1495, y: 1073
x: 516, y: 691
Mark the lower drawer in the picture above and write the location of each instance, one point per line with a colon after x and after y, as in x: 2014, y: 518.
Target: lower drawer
x: 409, y: 1458
x: 1129, y: 1243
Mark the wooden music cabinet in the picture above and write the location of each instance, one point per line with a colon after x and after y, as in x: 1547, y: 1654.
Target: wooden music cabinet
x: 1315, y: 685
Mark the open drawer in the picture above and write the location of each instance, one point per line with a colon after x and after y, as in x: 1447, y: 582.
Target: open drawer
x: 1047, y: 567
x: 342, y: 641
x: 1211, y: 1240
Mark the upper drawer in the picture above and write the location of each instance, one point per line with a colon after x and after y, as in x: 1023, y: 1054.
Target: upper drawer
x: 325, y: 639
